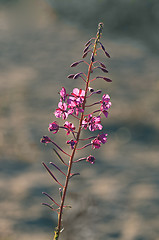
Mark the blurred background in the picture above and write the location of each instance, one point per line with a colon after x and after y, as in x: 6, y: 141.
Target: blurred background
x: 118, y: 196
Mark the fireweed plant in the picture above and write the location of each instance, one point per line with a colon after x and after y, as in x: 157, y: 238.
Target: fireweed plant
x: 75, y: 106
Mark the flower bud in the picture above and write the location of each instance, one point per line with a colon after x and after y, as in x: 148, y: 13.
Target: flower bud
x: 90, y: 159
x: 53, y: 127
x: 76, y: 63
x: 90, y: 89
x: 45, y: 139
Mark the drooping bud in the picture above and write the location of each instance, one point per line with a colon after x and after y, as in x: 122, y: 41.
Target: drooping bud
x: 103, y: 69
x: 72, y: 143
x: 53, y: 127
x: 102, y: 137
x: 45, y: 139
x: 96, y: 143
x: 90, y: 159
x: 102, y: 64
x: 103, y: 48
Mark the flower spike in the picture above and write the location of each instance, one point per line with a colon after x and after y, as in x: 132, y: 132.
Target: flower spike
x: 88, y: 114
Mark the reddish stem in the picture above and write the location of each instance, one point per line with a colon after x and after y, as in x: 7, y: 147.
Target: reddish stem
x: 57, y: 233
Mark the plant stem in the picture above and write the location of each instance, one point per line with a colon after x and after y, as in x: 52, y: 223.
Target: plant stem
x: 57, y: 232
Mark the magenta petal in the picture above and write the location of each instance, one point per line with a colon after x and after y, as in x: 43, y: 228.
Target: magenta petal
x: 76, y: 91
x: 105, y: 113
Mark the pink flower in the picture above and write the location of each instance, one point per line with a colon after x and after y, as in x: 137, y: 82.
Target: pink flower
x: 53, y: 127
x: 102, y: 137
x: 96, y: 143
x: 90, y: 159
x: 62, y: 111
x: 63, y: 93
x: 76, y: 98
x: 86, y: 121
x: 106, y: 104
x: 94, y: 124
x: 69, y: 127
x: 72, y: 143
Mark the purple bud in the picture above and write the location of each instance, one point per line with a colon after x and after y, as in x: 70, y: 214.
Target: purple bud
x: 96, y: 143
x: 86, y: 48
x: 71, y: 76
x: 72, y: 143
x: 53, y: 127
x: 102, y: 137
x: 103, y: 69
x: 77, y: 75
x: 90, y: 89
x: 104, y: 78
x: 89, y: 41
x: 106, y: 53
x: 107, y: 79
x: 92, y: 57
x: 45, y: 139
x: 102, y: 64
x: 76, y: 63
x: 85, y: 54
x: 90, y: 159
x: 98, y: 91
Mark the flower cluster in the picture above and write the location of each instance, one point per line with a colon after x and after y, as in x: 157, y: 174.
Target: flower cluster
x: 74, y: 105
x: 70, y: 104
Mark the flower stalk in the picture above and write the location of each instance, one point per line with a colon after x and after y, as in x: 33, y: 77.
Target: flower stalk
x: 74, y: 104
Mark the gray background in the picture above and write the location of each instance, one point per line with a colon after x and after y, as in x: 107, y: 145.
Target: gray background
x: 118, y: 197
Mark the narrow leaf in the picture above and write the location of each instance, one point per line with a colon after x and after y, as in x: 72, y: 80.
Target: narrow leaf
x: 57, y: 168
x: 60, y: 148
x: 52, y: 175
x: 48, y: 205
x: 74, y: 174
x: 60, y: 157
x: 50, y: 198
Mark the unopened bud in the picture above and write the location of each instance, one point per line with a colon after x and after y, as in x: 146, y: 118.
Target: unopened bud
x: 90, y: 89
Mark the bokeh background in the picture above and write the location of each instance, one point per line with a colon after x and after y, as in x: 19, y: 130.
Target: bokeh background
x: 118, y: 196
